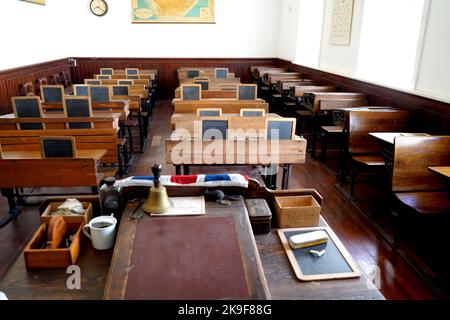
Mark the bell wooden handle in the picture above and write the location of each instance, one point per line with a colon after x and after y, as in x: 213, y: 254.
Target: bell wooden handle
x: 156, y: 169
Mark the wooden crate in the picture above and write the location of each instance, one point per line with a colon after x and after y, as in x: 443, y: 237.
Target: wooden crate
x: 53, y: 206
x: 297, y: 211
x: 37, y: 258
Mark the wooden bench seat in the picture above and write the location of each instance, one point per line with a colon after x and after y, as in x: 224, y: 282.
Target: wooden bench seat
x: 426, y: 203
x: 227, y: 105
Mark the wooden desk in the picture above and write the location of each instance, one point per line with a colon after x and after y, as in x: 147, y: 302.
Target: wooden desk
x: 389, y: 137
x: 268, y: 262
x: 96, y: 154
x: 57, y: 120
x: 443, y: 172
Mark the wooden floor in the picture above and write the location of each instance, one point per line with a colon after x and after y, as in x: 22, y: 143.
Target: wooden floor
x: 371, y: 252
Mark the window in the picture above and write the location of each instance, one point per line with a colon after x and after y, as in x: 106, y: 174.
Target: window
x: 389, y: 42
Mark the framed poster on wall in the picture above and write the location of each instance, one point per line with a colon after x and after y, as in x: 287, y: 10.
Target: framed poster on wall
x: 172, y: 11
x: 341, y: 22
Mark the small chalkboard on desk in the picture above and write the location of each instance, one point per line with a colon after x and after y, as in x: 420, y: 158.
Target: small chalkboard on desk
x: 133, y: 76
x: 108, y: 71
x: 100, y: 93
x: 93, y: 81
x: 80, y: 90
x: 58, y: 147
x: 103, y: 76
x: 192, y: 73
x: 280, y: 128
x: 131, y: 71
x: 336, y: 263
x: 125, y: 82
x: 28, y: 107
x: 253, y: 112
x: 214, y: 129
x: 192, y: 92
x: 221, y: 72
x: 209, y: 112
x: 203, y: 83
x: 52, y: 93
x: 120, y: 90
x: 247, y: 92
x: 78, y: 107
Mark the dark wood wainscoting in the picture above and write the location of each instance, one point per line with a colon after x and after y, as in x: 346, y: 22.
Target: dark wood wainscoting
x: 11, y: 79
x: 427, y: 115
x: 167, y: 68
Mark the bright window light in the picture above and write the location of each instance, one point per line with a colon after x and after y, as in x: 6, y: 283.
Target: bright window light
x: 389, y: 42
x: 309, y: 36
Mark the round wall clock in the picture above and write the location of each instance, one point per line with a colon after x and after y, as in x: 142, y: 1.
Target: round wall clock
x: 98, y: 7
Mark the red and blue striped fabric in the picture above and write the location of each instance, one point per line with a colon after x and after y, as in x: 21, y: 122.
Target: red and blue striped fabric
x: 197, y: 180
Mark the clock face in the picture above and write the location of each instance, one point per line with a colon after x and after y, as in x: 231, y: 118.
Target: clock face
x: 99, y: 7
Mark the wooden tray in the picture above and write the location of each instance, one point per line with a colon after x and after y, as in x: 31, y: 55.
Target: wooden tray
x: 336, y: 263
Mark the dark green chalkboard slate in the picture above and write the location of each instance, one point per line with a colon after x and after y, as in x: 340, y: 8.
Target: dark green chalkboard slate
x: 103, y: 77
x: 106, y: 71
x: 132, y: 71
x: 126, y: 82
x: 94, y: 82
x: 335, y: 263
x: 221, y: 73
x: 58, y: 148
x: 78, y: 108
x: 28, y: 108
x: 283, y: 128
x: 250, y: 113
x: 192, y: 73
x: 209, y: 113
x: 133, y: 77
x: 204, y: 84
x: 120, y: 90
x: 216, y: 129
x: 247, y: 92
x: 81, y: 90
x: 191, y: 93
x: 99, y: 94
x: 52, y: 94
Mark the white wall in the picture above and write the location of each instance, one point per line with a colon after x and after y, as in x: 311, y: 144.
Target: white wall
x: 289, y: 20
x: 341, y: 59
x: 64, y: 28
x: 434, y: 72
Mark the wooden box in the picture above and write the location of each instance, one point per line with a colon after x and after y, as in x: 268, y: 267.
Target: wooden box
x: 37, y: 258
x: 297, y: 211
x: 259, y: 214
x: 53, y: 206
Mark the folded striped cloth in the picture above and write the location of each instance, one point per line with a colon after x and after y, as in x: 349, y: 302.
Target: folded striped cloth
x: 193, y: 180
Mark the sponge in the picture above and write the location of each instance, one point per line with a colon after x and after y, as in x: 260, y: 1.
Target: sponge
x: 308, y: 239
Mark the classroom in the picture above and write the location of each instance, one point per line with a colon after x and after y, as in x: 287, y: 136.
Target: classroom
x: 208, y: 150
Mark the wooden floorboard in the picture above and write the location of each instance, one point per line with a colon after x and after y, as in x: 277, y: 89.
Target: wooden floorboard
x: 370, y: 251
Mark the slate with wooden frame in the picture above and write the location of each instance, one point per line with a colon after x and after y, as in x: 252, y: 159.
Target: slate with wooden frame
x: 131, y: 71
x: 203, y: 83
x: 100, y: 93
x: 245, y: 112
x: 103, y: 76
x: 107, y: 71
x: 52, y: 93
x: 247, y: 92
x: 213, y: 126
x: 120, y: 90
x: 192, y: 73
x: 336, y: 263
x: 57, y: 147
x: 78, y: 107
x: 192, y: 92
x: 81, y: 89
x: 221, y: 73
x: 28, y: 107
x: 285, y: 127
x: 209, y: 112
x: 93, y: 81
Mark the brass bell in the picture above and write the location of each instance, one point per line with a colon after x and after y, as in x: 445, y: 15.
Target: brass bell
x: 158, y: 201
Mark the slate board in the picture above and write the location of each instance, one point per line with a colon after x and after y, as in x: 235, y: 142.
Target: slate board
x: 334, y: 264
x: 215, y: 126
x: 52, y: 94
x: 284, y: 129
x: 58, y: 148
x: 247, y: 92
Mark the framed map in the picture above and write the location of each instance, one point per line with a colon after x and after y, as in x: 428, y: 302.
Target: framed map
x: 36, y: 1
x: 172, y: 11
x: 341, y: 22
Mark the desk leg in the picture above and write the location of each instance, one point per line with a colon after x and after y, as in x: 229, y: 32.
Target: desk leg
x: 185, y: 169
x: 286, y: 174
x: 177, y: 169
x: 314, y: 135
x: 141, y: 131
x: 14, y: 209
